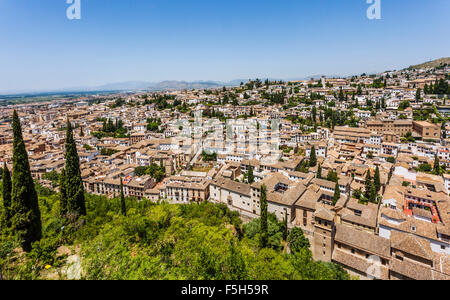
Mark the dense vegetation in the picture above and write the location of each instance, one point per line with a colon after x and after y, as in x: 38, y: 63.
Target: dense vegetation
x: 209, y: 156
x: 161, y: 241
x: 157, y: 172
x: 111, y: 129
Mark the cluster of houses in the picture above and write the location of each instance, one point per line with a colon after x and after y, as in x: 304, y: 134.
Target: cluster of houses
x: 403, y: 234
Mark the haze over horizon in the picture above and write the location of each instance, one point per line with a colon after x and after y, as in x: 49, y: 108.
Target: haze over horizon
x: 157, y: 40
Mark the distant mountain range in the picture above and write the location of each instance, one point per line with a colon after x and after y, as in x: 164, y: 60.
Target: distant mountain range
x: 163, y: 85
x: 178, y: 85
x: 137, y: 86
x: 188, y: 85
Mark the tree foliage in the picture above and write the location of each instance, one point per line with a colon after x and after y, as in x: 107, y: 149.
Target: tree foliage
x: 6, y: 195
x: 313, y: 157
x: 122, y: 199
x: 73, y: 183
x: 251, y: 177
x: 162, y: 242
x: 264, y: 228
x: 26, y: 220
x: 297, y: 240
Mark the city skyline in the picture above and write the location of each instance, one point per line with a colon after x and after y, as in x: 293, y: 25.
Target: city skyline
x: 220, y: 41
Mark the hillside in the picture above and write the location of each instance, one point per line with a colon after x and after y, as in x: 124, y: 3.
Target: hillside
x: 433, y: 64
x: 158, y: 241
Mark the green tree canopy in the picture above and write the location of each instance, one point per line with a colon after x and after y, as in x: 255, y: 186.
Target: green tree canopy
x: 26, y: 221
x: 297, y: 240
x: 313, y: 157
x: 73, y: 183
x: 122, y: 199
x: 263, y: 205
x: 6, y: 193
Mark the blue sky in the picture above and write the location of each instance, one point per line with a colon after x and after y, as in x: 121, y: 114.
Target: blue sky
x: 155, y: 40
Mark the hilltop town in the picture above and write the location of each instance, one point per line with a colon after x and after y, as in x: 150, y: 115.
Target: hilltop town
x: 361, y: 164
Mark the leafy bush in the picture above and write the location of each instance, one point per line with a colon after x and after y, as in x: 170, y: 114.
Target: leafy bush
x: 275, y: 230
x: 202, y: 241
x: 297, y: 240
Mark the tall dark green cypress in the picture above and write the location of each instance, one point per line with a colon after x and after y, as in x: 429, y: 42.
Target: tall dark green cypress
x: 377, y: 179
x: 6, y: 176
x: 122, y: 199
x: 285, y: 226
x: 251, y: 176
x: 264, y: 226
x: 368, y: 184
x: 26, y: 220
x: 235, y: 264
x: 437, y: 166
x: 337, y: 193
x: 313, y: 157
x: 74, y: 185
x: 62, y: 194
x: 373, y: 194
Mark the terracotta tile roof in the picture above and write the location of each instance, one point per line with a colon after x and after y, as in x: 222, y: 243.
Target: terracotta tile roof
x: 363, y: 240
x: 411, y: 244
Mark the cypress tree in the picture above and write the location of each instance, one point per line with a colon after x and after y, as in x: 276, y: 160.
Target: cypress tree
x: 359, y: 91
x: 235, y: 264
x: 314, y: 114
x: 26, y: 220
x: 62, y: 194
x: 6, y: 176
x: 367, y: 184
x: 337, y: 193
x: 437, y: 165
x: 319, y: 172
x: 251, y: 177
x: 418, y: 94
x: 122, y: 199
x: 264, y: 226
x: 377, y: 180
x: 341, y: 95
x: 74, y: 184
x: 313, y: 157
x: 373, y: 193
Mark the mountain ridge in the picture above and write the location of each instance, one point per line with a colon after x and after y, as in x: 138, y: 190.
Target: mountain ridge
x: 187, y: 85
x: 432, y: 64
